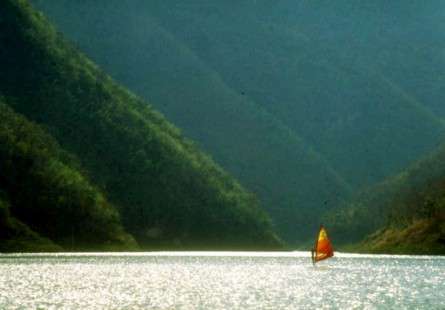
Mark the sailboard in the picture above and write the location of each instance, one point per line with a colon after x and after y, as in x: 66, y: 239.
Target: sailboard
x: 323, y: 248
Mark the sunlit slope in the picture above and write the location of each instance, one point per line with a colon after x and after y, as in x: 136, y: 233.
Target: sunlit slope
x: 48, y: 192
x: 423, y: 236
x: 404, y: 214
x: 362, y: 122
x: 167, y: 191
x: 293, y: 182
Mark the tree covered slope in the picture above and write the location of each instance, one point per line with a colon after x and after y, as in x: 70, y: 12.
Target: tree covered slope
x: 47, y: 191
x: 292, y: 180
x: 17, y: 237
x: 404, y: 214
x: 167, y: 192
x: 299, y: 70
x: 401, y: 40
x: 356, y: 84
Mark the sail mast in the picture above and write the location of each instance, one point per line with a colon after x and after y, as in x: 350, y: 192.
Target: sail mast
x: 314, y: 249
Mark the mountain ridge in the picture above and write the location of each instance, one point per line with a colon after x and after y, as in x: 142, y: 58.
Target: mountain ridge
x: 357, y: 84
x: 403, y: 214
x: 245, y: 139
x: 168, y: 193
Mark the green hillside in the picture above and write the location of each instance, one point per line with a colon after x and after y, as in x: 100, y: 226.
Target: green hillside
x: 49, y: 193
x: 293, y: 182
x: 17, y: 237
x: 401, y: 40
x: 167, y: 192
x: 339, y: 85
x: 291, y: 68
x: 405, y: 214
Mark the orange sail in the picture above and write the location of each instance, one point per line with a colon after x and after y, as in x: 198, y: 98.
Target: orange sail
x: 323, y: 247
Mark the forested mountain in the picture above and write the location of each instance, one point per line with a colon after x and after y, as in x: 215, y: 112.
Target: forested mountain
x: 403, y: 41
x: 308, y: 82
x: 404, y: 214
x: 47, y: 191
x: 269, y: 158
x: 301, y: 100
x: 84, y: 161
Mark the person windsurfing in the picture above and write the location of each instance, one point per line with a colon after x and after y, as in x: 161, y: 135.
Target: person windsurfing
x: 323, y: 248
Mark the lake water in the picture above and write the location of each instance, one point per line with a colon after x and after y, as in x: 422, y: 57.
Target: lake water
x: 220, y: 280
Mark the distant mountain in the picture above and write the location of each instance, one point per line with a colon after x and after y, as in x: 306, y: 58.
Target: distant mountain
x: 403, y: 41
x: 295, y: 61
x: 293, y: 182
x: 404, y: 214
x: 336, y: 87
x: 167, y: 192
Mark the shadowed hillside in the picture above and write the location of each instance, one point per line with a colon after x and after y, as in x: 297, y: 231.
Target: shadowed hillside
x: 168, y: 193
x: 404, y: 214
x: 294, y: 183
x: 17, y: 237
x: 345, y: 91
x: 48, y: 192
x: 401, y: 40
x: 300, y: 71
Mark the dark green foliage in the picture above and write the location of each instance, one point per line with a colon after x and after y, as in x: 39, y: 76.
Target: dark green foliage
x: 47, y: 191
x: 357, y: 82
x: 362, y: 123
x: 407, y: 211
x: 293, y: 182
x: 306, y: 83
x: 168, y: 192
x: 17, y: 237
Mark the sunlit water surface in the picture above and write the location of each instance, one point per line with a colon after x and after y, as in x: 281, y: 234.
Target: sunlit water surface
x: 225, y: 280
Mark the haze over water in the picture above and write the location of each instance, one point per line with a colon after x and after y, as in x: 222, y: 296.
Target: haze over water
x: 220, y: 280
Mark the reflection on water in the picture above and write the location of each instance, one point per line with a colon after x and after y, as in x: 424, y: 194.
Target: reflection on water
x: 224, y: 280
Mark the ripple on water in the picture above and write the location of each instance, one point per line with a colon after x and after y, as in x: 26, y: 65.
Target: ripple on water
x: 220, y: 281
